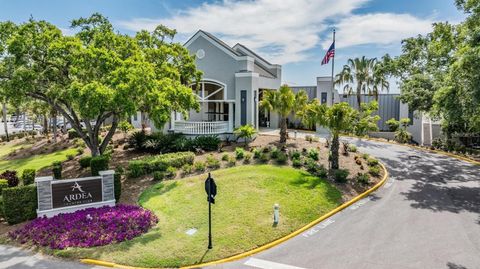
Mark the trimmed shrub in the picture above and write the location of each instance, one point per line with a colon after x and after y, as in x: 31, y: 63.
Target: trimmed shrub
x: 11, y: 177
x: 199, y: 166
x: 313, y: 154
x: 374, y: 171
x: 171, y: 172
x: 231, y: 161
x: 264, y: 157
x: 266, y: 149
x: 158, y: 175
x: 70, y: 157
x: 19, y: 203
x: 160, y: 162
x: 340, y: 175
x: 365, y: 156
x: 239, y: 153
x: 352, y: 148
x: 212, y: 162
x: 3, y: 185
x: 282, y: 158
x: 85, y: 161
x: 225, y: 157
x: 57, y: 170
x: 28, y: 176
x: 187, y: 169
x: 247, y: 158
x: 99, y: 163
x: 363, y: 179
x: 372, y: 162
x: 274, y: 153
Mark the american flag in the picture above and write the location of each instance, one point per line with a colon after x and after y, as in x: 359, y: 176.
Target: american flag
x: 330, y: 54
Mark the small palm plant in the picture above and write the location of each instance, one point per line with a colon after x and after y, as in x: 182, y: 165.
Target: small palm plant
x: 246, y: 132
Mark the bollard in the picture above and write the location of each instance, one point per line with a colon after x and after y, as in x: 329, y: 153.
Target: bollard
x: 276, y: 213
x: 295, y: 134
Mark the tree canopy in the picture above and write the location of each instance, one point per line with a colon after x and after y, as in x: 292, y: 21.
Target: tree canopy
x: 98, y: 74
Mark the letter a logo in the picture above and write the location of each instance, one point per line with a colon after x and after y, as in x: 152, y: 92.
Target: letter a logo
x: 77, y: 186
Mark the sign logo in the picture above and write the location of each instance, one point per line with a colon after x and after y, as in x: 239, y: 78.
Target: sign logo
x: 77, y: 186
x: 76, y: 192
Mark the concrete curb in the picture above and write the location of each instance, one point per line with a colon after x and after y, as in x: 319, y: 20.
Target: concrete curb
x: 264, y: 247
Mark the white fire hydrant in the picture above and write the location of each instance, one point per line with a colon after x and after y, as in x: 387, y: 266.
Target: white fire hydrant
x: 276, y: 213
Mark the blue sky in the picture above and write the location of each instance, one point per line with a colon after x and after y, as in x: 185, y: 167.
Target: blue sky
x: 294, y: 33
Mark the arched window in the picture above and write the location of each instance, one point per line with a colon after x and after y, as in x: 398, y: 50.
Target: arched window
x: 210, y: 90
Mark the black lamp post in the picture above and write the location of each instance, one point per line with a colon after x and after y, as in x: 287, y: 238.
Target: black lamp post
x: 211, y: 190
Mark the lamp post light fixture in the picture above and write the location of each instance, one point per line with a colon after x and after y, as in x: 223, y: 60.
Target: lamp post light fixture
x: 276, y: 214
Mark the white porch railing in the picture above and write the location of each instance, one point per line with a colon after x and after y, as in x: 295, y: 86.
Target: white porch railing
x: 201, y: 127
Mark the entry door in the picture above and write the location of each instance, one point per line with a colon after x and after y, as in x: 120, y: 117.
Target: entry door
x: 243, y: 107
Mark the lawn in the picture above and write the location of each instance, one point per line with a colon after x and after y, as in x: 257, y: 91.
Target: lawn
x: 242, y: 216
x: 35, y: 161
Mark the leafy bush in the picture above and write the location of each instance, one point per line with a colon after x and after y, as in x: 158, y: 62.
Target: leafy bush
x: 363, y: 178
x: 365, y: 156
x: 232, y: 161
x: 374, y: 171
x: 239, y: 153
x: 28, y: 176
x: 393, y: 124
x: 295, y: 155
x: 72, y: 134
x: 159, y: 163
x: 137, y: 139
x: 98, y: 163
x: 340, y: 175
x: 158, y: 175
x: 57, y: 170
x: 264, y: 158
x: 246, y: 132
x: 81, y: 228
x: 212, y: 162
x: 346, y: 146
x: 313, y: 154
x: 11, y: 177
x: 282, y: 158
x: 70, y: 157
x: 199, y: 166
x: 297, y: 163
x: 187, y: 169
x: 315, y: 168
x: 274, y: 153
x: 247, y: 158
x: 85, y: 161
x: 372, y: 162
x: 266, y: 149
x: 256, y: 153
x: 3, y: 185
x: 19, y: 203
x: 225, y: 157
x: 171, y: 172
x: 207, y: 142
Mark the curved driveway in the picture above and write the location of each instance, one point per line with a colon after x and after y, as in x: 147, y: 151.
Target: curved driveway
x: 427, y: 215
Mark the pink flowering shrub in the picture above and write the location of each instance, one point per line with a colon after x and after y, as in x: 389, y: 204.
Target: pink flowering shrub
x: 87, y: 228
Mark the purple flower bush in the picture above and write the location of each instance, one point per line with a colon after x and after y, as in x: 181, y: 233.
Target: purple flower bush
x: 87, y: 228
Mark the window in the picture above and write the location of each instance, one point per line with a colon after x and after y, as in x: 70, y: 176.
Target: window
x: 135, y: 116
x: 323, y: 99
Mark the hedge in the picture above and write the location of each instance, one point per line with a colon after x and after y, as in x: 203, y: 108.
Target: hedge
x: 98, y: 163
x: 159, y: 163
x: 57, y: 170
x: 85, y: 161
x: 3, y: 185
x: 19, y: 203
x: 28, y: 176
x: 117, y: 185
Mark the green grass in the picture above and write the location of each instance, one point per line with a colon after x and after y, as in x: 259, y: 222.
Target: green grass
x: 36, y: 161
x: 7, y: 148
x: 242, y: 216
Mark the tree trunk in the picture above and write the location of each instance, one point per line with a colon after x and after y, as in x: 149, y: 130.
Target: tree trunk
x: 54, y: 127
x: 5, y: 124
x: 45, y: 125
x: 143, y: 119
x: 334, y: 149
x: 283, y: 130
x: 64, y: 127
x: 359, y: 95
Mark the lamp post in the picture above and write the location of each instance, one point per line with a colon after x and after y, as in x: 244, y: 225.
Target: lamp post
x: 211, y: 190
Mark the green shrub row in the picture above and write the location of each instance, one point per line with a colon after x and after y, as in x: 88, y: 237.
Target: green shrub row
x: 160, y: 162
x: 164, y: 143
x: 19, y: 203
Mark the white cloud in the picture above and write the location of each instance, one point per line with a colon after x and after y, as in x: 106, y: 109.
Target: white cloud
x: 67, y: 31
x: 284, y: 31
x: 378, y: 28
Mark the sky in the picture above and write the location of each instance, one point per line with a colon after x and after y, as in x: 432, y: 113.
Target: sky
x: 293, y: 33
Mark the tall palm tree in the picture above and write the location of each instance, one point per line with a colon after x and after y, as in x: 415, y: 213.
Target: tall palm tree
x: 379, y: 81
x: 359, y: 73
x: 284, y: 102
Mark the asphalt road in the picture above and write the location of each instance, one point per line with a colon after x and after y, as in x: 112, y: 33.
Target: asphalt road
x: 427, y: 215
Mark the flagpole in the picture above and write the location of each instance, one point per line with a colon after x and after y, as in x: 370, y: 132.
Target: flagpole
x: 333, y: 68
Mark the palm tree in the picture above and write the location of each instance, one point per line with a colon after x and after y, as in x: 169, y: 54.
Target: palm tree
x: 284, y: 102
x: 337, y: 118
x: 379, y: 81
x: 358, y: 72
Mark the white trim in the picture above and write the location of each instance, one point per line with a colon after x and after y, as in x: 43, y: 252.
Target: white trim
x: 215, y: 43
x: 262, y: 61
x: 246, y: 74
x: 221, y: 84
x: 217, y: 101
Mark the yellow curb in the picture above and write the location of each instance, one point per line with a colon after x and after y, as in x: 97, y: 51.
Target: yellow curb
x: 267, y: 246
x: 441, y: 152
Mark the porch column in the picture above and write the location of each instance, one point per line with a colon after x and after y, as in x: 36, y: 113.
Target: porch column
x: 172, y: 121
x: 230, y: 117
